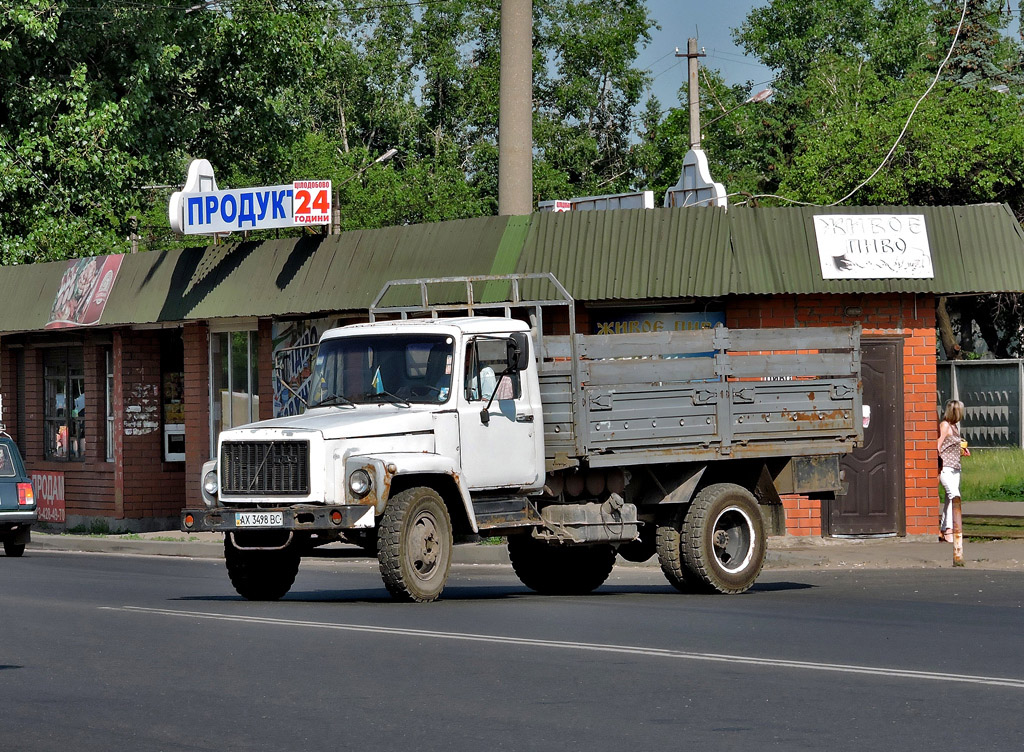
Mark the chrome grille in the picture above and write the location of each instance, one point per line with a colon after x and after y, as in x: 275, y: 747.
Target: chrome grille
x: 271, y: 468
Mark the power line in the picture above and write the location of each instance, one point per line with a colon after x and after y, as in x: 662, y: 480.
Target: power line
x: 899, y: 138
x: 910, y: 117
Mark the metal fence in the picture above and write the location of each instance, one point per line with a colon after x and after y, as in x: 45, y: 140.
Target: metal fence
x: 992, y: 392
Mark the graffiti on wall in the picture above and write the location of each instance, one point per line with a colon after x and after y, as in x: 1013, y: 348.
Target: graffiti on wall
x: 294, y: 353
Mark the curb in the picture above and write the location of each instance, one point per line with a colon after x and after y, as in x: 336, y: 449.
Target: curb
x: 919, y: 552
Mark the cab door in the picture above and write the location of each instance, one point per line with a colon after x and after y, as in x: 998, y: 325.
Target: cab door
x: 505, y: 449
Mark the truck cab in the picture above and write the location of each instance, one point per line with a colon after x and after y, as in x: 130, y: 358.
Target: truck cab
x: 448, y: 404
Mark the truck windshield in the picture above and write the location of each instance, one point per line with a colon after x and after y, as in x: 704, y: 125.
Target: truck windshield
x: 398, y: 368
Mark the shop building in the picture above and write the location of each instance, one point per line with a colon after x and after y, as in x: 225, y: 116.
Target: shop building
x: 116, y: 392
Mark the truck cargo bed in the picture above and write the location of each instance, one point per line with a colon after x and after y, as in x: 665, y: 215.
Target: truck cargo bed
x: 701, y: 395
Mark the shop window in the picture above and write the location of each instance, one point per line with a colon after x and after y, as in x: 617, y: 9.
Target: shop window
x: 172, y: 387
x: 64, y: 404
x: 233, y: 380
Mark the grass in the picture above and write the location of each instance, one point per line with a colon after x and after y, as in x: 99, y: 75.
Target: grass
x: 95, y: 529
x: 993, y: 474
x: 989, y: 528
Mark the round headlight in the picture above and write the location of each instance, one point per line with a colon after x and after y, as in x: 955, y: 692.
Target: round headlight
x: 210, y: 483
x: 359, y: 483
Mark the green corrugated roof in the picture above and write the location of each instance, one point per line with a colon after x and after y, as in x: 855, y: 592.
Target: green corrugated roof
x: 632, y: 253
x: 974, y: 249
x: 268, y: 278
x: 710, y: 252
x: 629, y: 254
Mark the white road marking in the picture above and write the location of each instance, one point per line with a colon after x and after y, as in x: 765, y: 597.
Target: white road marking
x: 995, y: 681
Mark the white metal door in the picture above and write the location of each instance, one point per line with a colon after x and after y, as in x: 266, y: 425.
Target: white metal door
x: 503, y: 452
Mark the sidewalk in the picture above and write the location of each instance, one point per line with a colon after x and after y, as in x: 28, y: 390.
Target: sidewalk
x: 787, y: 552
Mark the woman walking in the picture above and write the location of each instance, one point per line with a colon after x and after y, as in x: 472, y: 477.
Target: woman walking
x: 951, y: 448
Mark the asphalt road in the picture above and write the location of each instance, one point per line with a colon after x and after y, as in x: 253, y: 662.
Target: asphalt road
x: 111, y: 652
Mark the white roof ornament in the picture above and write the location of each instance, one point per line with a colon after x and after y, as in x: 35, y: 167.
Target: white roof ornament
x: 200, y: 179
x: 695, y: 186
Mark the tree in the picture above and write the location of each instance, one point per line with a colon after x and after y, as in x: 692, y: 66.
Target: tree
x: 849, y: 76
x: 105, y: 99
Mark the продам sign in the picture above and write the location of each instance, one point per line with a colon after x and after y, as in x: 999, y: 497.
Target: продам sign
x: 49, y: 491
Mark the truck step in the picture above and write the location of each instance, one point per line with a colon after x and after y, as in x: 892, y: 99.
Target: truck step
x: 506, y: 512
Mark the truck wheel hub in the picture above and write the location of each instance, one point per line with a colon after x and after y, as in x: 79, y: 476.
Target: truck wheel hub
x: 423, y: 545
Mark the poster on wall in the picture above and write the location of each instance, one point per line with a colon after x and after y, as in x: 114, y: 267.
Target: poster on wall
x: 294, y: 344
x: 48, y: 487
x: 637, y: 323
x: 873, y: 246
x: 84, y: 290
x: 641, y: 322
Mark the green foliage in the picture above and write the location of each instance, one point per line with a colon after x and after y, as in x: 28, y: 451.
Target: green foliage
x: 104, y: 99
x: 849, y: 75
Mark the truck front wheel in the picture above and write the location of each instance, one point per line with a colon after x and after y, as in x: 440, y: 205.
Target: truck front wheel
x: 414, y: 545
x: 716, y: 544
x: 554, y: 569
x: 260, y: 575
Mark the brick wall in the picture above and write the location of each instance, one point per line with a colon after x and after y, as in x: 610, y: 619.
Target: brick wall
x: 197, y: 407
x: 908, y: 317
x: 151, y: 487
x: 88, y: 484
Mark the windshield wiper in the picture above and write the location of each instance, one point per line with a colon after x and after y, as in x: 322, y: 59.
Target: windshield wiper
x: 394, y: 399
x: 335, y: 401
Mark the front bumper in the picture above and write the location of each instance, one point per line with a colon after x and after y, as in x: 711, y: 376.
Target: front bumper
x: 334, y: 517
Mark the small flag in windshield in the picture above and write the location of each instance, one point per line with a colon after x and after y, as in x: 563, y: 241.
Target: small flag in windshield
x: 378, y: 382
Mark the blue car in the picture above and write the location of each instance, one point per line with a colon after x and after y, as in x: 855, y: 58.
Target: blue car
x: 17, y: 500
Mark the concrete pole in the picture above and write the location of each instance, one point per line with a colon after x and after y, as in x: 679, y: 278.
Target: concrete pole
x: 694, y: 92
x: 515, y: 116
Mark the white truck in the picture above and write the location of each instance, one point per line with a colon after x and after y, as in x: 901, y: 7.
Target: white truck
x: 438, y: 423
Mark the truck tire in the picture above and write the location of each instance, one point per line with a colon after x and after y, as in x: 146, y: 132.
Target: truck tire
x: 414, y: 545
x: 716, y: 544
x: 260, y: 575
x: 553, y: 569
x: 14, y: 549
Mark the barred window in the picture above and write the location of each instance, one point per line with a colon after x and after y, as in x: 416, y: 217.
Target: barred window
x: 64, y: 403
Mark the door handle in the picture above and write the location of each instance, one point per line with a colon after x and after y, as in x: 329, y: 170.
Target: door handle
x: 524, y: 419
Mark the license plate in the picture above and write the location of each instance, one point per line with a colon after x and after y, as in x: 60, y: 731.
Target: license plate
x: 259, y: 519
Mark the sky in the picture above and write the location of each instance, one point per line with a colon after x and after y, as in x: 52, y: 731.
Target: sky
x: 711, y: 22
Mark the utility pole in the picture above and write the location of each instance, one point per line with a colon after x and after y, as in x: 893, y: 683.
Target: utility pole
x: 694, y: 89
x: 515, y: 115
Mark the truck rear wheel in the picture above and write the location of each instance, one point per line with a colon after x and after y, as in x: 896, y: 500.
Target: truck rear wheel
x: 717, y: 544
x: 414, y: 545
x: 260, y: 575
x: 553, y: 569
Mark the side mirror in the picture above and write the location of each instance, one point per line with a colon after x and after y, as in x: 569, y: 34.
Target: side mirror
x: 518, y: 352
